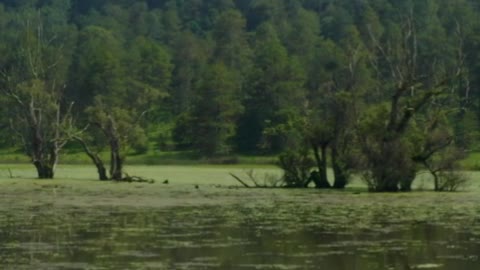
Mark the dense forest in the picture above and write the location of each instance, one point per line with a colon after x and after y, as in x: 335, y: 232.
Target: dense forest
x: 383, y: 88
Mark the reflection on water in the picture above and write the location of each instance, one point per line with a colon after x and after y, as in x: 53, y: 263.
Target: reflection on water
x: 229, y: 237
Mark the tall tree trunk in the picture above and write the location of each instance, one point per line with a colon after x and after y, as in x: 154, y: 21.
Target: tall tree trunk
x: 97, y: 161
x: 340, y: 171
x: 407, y: 181
x: 44, y: 171
x: 436, y: 182
x: 434, y: 173
x: 320, y: 153
x: 393, y: 169
x: 116, y: 160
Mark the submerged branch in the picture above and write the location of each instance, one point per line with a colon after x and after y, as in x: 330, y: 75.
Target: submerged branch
x: 240, y: 180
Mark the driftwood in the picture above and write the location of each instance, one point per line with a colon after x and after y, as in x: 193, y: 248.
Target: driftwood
x: 136, y: 179
x: 240, y: 180
x: 268, y: 181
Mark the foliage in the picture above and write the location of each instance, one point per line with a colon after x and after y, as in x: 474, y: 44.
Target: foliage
x: 355, y: 86
x: 452, y: 181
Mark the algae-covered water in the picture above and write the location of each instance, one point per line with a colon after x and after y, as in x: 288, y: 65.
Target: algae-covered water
x: 77, y: 223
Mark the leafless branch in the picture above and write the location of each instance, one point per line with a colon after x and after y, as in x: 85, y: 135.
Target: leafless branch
x: 240, y: 180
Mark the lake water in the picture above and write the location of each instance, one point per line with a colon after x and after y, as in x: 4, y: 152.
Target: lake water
x: 283, y: 234
x: 202, y: 221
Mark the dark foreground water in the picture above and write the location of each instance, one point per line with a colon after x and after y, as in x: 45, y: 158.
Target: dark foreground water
x: 283, y: 235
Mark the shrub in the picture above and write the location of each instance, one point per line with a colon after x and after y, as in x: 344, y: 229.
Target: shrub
x: 296, y: 168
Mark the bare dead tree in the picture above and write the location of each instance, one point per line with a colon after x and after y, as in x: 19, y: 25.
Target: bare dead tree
x: 39, y: 118
x: 390, y: 166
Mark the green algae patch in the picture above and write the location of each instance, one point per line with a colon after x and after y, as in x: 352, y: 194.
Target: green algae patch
x: 427, y: 266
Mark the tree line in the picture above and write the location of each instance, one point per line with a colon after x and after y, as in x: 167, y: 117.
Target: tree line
x: 381, y: 88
